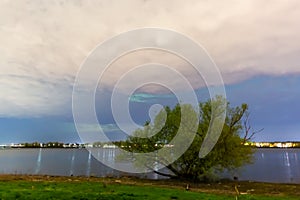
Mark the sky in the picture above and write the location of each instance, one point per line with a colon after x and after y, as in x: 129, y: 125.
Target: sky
x: 255, y: 44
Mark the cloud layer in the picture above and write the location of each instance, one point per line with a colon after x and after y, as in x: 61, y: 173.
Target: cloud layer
x: 43, y: 43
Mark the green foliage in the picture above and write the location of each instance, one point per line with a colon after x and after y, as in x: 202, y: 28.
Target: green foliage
x: 228, y: 153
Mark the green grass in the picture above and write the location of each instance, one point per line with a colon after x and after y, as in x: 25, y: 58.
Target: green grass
x: 23, y: 189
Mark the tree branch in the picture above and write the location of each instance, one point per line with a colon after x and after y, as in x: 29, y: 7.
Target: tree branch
x: 249, y: 132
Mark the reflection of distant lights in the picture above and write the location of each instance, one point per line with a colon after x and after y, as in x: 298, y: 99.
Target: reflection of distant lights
x: 39, y: 160
x: 98, y: 155
x: 287, y: 159
x: 72, y: 163
x: 88, y: 171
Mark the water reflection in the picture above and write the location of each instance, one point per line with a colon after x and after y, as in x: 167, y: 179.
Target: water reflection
x: 287, y: 165
x: 38, y: 162
x: 72, y: 163
x: 88, y: 171
x: 286, y: 159
x: 271, y: 165
x: 98, y: 154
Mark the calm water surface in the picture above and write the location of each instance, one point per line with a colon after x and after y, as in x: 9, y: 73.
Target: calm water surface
x: 271, y: 165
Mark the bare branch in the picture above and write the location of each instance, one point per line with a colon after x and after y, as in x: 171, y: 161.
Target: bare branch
x: 249, y: 132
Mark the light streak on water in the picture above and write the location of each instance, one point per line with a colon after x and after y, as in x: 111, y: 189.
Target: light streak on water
x: 72, y: 163
x: 88, y: 171
x: 38, y: 162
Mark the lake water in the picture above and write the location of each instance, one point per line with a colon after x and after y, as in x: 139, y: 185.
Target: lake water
x: 271, y: 165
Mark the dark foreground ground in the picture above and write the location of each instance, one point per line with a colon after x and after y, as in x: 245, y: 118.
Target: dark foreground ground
x: 50, y: 187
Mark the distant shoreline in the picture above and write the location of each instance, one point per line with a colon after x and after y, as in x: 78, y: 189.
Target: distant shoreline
x: 115, y: 144
x: 83, y: 147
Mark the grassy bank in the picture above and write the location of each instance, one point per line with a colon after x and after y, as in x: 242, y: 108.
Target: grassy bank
x: 46, y: 187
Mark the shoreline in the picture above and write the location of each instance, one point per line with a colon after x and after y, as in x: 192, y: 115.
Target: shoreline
x: 8, y: 147
x: 223, y: 187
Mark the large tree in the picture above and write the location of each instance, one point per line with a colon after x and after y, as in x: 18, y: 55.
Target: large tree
x: 229, y: 151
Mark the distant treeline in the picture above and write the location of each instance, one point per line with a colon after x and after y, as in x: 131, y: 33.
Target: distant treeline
x: 123, y: 144
x: 274, y: 144
x: 47, y: 145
